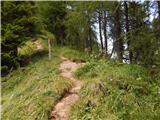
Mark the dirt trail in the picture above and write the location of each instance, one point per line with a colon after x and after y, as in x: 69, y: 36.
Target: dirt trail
x: 62, y: 108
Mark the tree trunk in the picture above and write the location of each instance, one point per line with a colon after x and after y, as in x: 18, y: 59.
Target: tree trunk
x: 118, y: 43
x: 90, y: 39
x: 14, y: 56
x: 158, y: 8
x: 127, y: 29
x: 148, y: 11
x: 100, y: 29
x: 105, y: 32
x: 15, y: 51
x: 126, y: 16
x: 49, y: 49
x: 87, y: 42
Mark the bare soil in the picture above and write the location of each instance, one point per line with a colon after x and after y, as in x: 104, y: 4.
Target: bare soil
x: 38, y: 45
x: 62, y: 108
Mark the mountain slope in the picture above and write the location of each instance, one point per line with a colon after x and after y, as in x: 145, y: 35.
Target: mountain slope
x: 115, y: 91
x: 110, y: 90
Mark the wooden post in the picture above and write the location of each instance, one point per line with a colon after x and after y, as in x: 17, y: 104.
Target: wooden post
x: 49, y: 49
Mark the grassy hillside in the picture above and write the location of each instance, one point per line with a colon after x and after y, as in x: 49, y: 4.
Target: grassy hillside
x: 116, y: 91
x: 30, y: 92
x: 111, y: 90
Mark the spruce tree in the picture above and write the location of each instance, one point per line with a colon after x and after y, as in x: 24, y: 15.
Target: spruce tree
x: 17, y: 26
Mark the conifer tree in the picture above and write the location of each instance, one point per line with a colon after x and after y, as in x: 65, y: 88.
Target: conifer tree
x: 17, y: 25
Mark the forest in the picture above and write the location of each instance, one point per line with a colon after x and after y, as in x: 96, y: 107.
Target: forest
x: 80, y: 60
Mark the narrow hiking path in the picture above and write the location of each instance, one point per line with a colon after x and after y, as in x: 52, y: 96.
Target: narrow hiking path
x: 62, y: 108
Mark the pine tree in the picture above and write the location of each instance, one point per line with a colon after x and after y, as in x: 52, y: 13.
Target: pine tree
x: 17, y: 25
x: 52, y: 14
x: 79, y: 25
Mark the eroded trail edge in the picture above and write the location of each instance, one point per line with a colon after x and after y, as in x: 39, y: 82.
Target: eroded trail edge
x: 62, y: 108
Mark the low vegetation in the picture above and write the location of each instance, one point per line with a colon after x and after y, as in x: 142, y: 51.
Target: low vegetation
x: 101, y: 33
x: 30, y: 92
x: 74, y: 55
x: 111, y: 90
x: 114, y: 91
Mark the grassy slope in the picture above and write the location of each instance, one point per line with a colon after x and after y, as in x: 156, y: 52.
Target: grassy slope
x: 30, y: 92
x: 115, y: 91
x: 111, y: 90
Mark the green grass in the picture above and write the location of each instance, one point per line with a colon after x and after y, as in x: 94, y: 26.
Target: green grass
x: 116, y: 91
x: 111, y: 90
x: 29, y: 93
x: 27, y: 49
x: 75, y: 55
